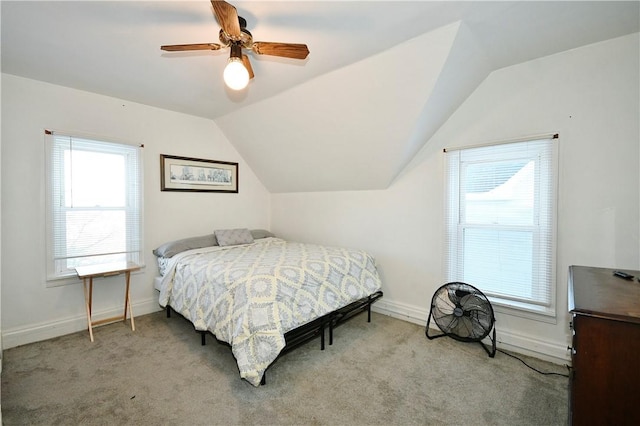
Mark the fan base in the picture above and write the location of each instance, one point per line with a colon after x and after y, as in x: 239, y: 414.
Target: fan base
x: 490, y: 351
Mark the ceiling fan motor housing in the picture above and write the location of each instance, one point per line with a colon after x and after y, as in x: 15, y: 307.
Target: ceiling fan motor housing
x: 245, y: 39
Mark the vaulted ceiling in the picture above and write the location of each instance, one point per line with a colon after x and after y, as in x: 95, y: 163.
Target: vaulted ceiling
x: 381, y: 78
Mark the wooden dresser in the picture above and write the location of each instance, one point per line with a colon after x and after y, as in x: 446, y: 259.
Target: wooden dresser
x: 605, y: 378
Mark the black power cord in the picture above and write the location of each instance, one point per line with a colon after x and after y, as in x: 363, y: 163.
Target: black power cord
x: 546, y: 373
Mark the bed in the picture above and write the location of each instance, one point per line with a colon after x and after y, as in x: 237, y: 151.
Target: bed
x: 262, y: 294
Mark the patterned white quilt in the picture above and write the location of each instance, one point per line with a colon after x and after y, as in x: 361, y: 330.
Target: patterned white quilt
x: 250, y: 295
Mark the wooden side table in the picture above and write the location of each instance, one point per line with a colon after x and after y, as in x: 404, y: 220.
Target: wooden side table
x: 88, y: 273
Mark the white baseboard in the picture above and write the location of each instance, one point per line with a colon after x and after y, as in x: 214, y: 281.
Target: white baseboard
x: 509, y: 340
x: 35, y: 333
x: 506, y: 339
x: 554, y: 352
x: 401, y: 311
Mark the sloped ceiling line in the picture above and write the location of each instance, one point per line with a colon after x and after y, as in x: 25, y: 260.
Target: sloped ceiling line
x: 336, y: 121
x: 467, y: 66
x: 359, y: 121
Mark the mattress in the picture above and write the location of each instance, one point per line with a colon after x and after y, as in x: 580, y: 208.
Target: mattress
x: 250, y: 295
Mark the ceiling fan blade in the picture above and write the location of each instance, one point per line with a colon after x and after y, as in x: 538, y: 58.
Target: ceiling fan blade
x: 285, y: 50
x: 247, y: 65
x: 183, y: 47
x: 227, y: 18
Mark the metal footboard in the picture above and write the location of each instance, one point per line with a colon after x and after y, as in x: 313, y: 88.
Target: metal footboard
x: 309, y: 331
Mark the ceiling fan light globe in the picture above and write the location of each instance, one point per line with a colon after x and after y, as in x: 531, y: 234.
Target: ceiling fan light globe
x: 235, y: 75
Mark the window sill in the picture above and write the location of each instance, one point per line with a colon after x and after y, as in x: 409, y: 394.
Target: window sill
x: 73, y: 279
x: 59, y: 282
x: 524, y: 310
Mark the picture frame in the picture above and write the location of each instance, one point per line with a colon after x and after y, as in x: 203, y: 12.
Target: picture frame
x: 197, y: 174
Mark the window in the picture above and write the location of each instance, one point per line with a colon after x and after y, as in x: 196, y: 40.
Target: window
x: 94, y: 203
x: 501, y: 222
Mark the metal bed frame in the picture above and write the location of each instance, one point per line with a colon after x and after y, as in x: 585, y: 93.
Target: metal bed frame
x: 309, y: 331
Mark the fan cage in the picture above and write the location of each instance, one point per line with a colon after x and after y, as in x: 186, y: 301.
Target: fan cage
x: 462, y: 312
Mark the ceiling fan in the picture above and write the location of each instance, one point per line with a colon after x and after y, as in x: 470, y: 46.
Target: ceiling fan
x: 234, y: 34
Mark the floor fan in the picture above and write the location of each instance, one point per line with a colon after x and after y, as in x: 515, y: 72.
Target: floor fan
x: 464, y: 313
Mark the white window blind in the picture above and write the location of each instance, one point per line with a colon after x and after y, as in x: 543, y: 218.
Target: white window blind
x: 500, y: 215
x: 94, y: 203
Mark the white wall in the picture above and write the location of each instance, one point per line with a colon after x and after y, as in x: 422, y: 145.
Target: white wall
x: 590, y: 96
x: 32, y: 311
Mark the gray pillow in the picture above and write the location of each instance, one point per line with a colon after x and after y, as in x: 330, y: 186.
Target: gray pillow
x: 172, y: 248
x: 261, y: 233
x: 232, y: 237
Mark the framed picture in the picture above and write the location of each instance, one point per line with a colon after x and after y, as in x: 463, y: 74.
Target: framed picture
x: 197, y: 175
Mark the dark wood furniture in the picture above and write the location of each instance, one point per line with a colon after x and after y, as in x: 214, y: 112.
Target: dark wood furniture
x: 605, y: 379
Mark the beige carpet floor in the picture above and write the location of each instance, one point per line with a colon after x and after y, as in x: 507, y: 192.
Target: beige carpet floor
x: 381, y: 373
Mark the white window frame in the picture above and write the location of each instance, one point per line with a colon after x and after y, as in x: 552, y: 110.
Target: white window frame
x: 57, y: 270
x: 543, y: 230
